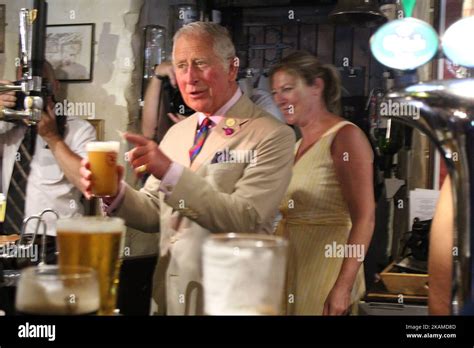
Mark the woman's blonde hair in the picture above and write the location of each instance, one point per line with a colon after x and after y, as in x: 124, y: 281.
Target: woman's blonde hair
x: 305, y: 65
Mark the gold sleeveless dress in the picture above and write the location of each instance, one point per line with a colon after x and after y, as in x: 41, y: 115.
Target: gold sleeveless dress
x: 315, y: 215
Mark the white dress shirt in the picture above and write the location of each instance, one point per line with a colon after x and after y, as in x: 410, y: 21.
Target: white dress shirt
x: 47, y: 185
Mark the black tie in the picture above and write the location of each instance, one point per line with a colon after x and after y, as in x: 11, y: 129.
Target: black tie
x: 15, y: 212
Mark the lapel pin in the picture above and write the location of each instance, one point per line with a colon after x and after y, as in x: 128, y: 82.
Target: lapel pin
x: 230, y: 122
x: 229, y: 128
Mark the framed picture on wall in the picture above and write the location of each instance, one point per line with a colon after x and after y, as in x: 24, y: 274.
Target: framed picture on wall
x: 2, y: 28
x: 70, y: 50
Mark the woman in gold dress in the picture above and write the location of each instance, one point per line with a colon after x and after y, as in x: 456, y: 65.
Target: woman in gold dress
x: 328, y: 211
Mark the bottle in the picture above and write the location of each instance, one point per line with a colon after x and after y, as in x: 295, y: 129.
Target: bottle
x: 3, y: 206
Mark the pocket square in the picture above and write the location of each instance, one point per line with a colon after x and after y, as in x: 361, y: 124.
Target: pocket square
x: 222, y: 156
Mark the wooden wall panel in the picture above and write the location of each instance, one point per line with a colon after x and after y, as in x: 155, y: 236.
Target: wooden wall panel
x: 325, y: 43
x: 308, y: 38
x: 361, y: 53
x: 272, y: 38
x: 255, y: 37
x: 264, y: 35
x: 290, y: 36
x: 343, y: 42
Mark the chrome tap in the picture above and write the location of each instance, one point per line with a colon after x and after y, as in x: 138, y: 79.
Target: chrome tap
x: 31, y: 115
x: 446, y: 116
x: 28, y: 242
x: 30, y: 84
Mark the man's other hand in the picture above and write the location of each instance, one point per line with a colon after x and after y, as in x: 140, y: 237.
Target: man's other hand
x: 146, y: 156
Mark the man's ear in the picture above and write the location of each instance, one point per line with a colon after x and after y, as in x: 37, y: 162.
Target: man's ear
x: 234, y: 69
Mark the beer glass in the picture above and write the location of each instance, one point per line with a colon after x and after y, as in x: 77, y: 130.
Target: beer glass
x: 244, y: 274
x: 103, y: 165
x: 97, y: 242
x: 57, y: 290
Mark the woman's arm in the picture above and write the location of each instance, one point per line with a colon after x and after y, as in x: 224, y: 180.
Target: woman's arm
x: 353, y: 158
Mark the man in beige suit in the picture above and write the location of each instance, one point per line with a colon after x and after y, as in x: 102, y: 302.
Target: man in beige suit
x: 223, y: 169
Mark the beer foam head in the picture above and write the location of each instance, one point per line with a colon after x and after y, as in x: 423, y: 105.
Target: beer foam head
x: 103, y: 146
x: 91, y: 224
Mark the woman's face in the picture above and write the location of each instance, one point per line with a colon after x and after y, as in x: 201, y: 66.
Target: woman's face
x: 293, y: 96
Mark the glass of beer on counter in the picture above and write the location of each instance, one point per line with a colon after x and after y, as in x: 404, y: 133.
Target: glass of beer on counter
x: 57, y: 290
x: 97, y: 242
x: 103, y: 165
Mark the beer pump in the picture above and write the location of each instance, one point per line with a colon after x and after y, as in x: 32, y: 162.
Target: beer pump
x: 446, y: 116
x: 32, y: 46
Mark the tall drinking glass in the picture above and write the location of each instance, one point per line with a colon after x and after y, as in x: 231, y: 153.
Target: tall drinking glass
x: 103, y: 165
x: 96, y: 242
x: 244, y: 274
x: 57, y: 290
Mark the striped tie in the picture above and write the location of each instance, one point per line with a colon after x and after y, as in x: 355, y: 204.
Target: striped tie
x: 200, y: 138
x: 15, y: 212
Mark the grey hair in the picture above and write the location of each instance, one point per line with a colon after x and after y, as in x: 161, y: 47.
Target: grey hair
x: 222, y: 42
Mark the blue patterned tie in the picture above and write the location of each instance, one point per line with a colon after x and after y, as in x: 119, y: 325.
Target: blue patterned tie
x: 200, y: 138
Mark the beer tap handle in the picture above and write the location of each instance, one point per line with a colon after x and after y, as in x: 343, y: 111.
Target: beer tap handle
x: 26, y: 19
x: 43, y: 243
x: 31, y: 115
x: 23, y: 230
x: 43, y: 240
x: 4, y: 88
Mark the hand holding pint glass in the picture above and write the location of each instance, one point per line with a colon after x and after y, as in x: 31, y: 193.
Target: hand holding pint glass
x: 103, y: 166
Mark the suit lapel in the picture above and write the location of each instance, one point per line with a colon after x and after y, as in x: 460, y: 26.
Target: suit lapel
x: 218, y: 139
x: 185, y: 141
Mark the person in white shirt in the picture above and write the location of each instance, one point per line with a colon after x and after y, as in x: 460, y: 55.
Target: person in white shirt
x: 54, y: 174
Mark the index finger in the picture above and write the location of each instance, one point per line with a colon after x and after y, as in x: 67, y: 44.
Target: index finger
x: 85, y: 163
x: 136, y: 139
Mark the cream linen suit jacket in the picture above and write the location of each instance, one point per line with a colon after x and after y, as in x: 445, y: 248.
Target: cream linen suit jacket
x: 210, y: 198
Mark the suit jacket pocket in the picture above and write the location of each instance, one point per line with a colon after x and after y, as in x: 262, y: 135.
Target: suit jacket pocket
x: 224, y: 176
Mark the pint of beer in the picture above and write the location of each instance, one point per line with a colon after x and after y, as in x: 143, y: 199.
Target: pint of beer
x: 57, y: 290
x: 96, y: 242
x: 103, y: 161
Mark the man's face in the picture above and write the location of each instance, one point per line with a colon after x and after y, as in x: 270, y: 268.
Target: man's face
x: 202, y: 80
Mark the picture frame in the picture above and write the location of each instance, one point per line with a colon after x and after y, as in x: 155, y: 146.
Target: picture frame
x: 99, y: 126
x: 2, y: 28
x: 70, y: 50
